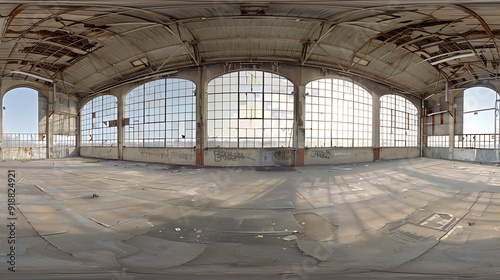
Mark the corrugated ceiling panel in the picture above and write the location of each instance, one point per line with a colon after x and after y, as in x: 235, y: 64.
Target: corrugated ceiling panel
x: 372, y: 29
x: 245, y: 28
x: 306, y: 10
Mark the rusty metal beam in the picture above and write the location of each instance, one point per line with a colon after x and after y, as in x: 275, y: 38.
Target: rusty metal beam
x: 483, y: 23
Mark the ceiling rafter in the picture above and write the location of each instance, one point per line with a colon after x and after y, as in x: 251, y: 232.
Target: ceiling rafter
x: 310, y: 29
x: 13, y: 15
x: 483, y: 23
x: 191, y: 52
x: 327, y: 33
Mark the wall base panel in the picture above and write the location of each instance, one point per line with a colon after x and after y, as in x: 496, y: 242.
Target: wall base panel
x: 99, y: 152
x: 178, y: 156
x: 337, y: 155
x: 389, y: 153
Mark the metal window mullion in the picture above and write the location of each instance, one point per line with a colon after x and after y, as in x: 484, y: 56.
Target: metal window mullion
x: 165, y: 113
x: 332, y: 122
x: 263, y: 120
x: 238, y: 103
x: 143, y: 115
x: 353, y: 114
x: 95, y: 130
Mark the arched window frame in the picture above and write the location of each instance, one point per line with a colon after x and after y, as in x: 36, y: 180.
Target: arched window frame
x: 250, y: 109
x: 399, y: 122
x: 338, y: 114
x: 161, y: 113
x: 99, y: 122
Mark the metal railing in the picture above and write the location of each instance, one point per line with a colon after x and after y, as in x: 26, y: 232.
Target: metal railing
x: 476, y: 141
x: 465, y: 141
x: 26, y: 146
x: 21, y: 146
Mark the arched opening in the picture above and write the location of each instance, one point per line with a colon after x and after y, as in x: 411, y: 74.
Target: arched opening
x: 20, y: 111
x: 23, y: 127
x: 338, y: 114
x: 398, y: 122
x: 479, y: 110
x: 250, y: 109
x: 161, y: 113
x: 480, y: 119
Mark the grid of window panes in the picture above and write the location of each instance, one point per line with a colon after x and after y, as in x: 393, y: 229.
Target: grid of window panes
x: 438, y: 141
x: 161, y: 113
x: 99, y: 122
x: 398, y: 122
x: 338, y: 114
x: 250, y: 109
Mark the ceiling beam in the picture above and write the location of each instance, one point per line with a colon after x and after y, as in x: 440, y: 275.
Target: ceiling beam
x: 483, y: 23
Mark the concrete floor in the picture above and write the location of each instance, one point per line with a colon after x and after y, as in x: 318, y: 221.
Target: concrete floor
x: 411, y: 219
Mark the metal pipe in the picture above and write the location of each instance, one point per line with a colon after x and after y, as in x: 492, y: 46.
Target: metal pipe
x: 436, y: 113
x: 446, y: 91
x: 16, y: 71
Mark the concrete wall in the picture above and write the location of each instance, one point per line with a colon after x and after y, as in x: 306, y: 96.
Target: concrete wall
x: 483, y: 155
x: 475, y: 155
x: 99, y: 152
x: 179, y: 156
x: 62, y: 152
x: 249, y: 157
x: 472, y: 155
x: 388, y: 153
x: 438, y: 153
x: 464, y: 154
x: 337, y: 155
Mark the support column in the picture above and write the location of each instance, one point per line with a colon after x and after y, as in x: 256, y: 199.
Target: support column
x: 451, y: 130
x: 376, y: 126
x: 121, y: 124
x: 299, y: 131
x: 51, y: 103
x: 201, y: 108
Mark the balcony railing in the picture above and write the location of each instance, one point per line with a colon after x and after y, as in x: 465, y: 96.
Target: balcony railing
x: 465, y: 141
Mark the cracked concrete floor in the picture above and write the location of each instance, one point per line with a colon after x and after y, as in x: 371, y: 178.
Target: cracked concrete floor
x: 420, y: 218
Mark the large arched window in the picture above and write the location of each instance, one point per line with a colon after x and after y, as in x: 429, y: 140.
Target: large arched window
x: 398, y: 122
x: 20, y: 111
x: 338, y: 114
x: 100, y: 122
x: 480, y: 120
x: 250, y: 109
x: 479, y: 110
x: 161, y: 113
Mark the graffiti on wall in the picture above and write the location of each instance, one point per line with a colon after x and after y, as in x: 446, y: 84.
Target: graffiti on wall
x: 326, y: 154
x: 342, y: 154
x: 321, y: 154
x: 165, y: 154
x: 153, y: 153
x: 175, y: 155
x: 223, y: 155
x: 282, y: 155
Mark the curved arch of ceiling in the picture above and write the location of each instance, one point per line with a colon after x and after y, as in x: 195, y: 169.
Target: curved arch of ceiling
x: 415, y: 46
